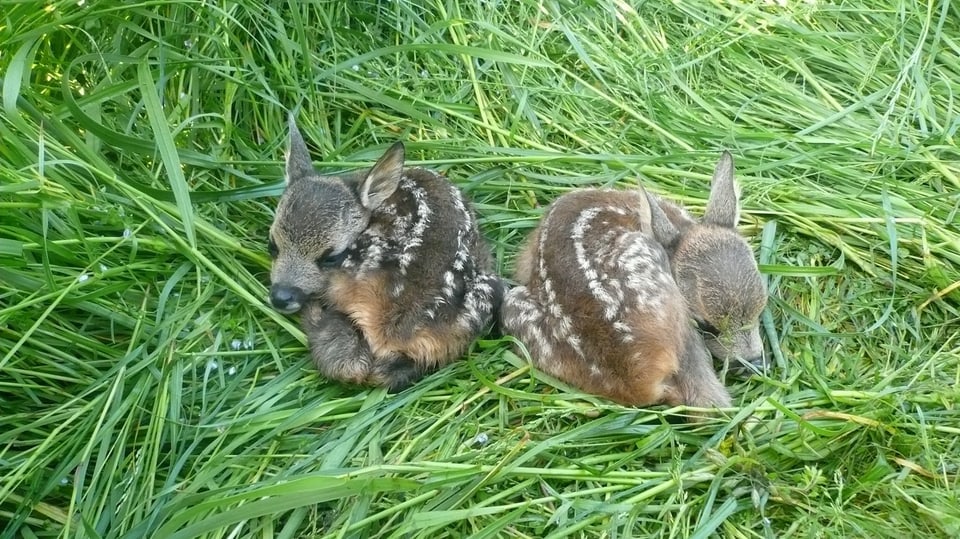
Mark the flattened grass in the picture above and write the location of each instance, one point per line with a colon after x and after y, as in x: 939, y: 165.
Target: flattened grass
x: 147, y: 390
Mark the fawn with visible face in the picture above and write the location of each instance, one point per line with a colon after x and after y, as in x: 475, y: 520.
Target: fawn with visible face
x: 715, y: 270
x: 597, y: 305
x: 386, y: 266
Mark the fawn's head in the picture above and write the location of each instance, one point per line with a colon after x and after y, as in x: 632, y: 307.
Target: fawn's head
x: 319, y: 217
x: 715, y: 270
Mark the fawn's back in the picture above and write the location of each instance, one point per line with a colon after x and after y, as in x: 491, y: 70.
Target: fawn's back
x: 419, y: 269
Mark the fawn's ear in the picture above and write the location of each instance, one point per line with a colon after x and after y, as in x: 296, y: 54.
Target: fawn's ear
x: 299, y: 165
x: 664, y: 230
x: 643, y: 208
x: 723, y: 207
x: 383, y: 178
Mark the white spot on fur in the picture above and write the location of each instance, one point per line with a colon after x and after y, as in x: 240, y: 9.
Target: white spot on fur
x: 643, y: 262
x: 625, y: 331
x: 610, y: 302
x: 449, y: 281
x: 553, y: 304
x: 527, y: 323
x: 415, y: 238
x: 573, y: 342
x: 462, y: 255
x: 477, y: 302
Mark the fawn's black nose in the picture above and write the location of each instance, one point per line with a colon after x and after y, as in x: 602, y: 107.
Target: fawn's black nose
x: 286, y: 299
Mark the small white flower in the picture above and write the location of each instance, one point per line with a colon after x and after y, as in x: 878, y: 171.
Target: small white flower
x: 481, y: 439
x: 232, y: 370
x: 126, y: 233
x: 355, y: 67
x: 83, y: 277
x: 235, y: 344
x: 212, y: 365
x: 103, y: 268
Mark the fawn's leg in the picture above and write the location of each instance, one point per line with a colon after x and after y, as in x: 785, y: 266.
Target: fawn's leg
x: 695, y: 383
x: 337, y: 347
x: 396, y: 373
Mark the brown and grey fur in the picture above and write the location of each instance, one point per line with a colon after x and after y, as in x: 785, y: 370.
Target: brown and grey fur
x: 715, y: 270
x: 597, y: 306
x: 386, y: 264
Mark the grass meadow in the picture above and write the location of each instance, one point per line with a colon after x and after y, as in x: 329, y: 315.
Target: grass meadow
x: 148, y: 390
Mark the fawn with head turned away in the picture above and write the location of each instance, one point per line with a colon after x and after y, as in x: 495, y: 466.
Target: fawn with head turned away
x: 612, y: 283
x: 386, y: 266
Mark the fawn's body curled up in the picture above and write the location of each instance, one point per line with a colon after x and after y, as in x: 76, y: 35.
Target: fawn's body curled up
x: 597, y: 305
x: 387, y: 266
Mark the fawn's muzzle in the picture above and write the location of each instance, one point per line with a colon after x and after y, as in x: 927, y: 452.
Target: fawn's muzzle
x: 286, y: 299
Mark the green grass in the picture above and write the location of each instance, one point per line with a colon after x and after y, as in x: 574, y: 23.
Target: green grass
x: 147, y: 390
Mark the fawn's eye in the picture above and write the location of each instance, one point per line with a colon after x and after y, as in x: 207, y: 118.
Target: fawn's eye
x: 708, y: 328
x: 328, y: 261
x: 272, y: 248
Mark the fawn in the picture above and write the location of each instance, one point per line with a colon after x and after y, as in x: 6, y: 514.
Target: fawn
x: 386, y: 265
x: 715, y: 270
x: 598, y: 307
